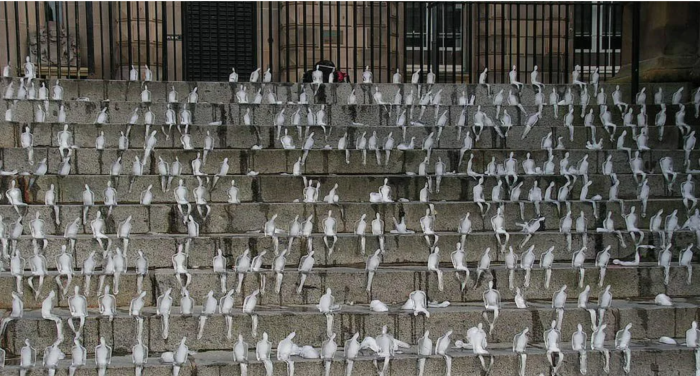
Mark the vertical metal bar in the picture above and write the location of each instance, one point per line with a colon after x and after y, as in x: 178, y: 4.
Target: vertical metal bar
x: 138, y: 36
x: 590, y: 48
x: 18, y: 39
x: 543, y: 34
x: 371, y: 37
x: 58, y: 36
x: 26, y: 25
x: 67, y: 35
x: 517, y: 47
x: 89, y: 26
x: 174, y: 44
x: 535, y: 61
x: 422, y: 44
x: 478, y: 44
x: 599, y: 41
x: 128, y: 35
x: 614, y: 33
x: 313, y: 35
x: 330, y: 30
x: 184, y: 75
x: 337, y: 33
x: 527, y: 38
x: 38, y: 40
x: 454, y: 42
x: 510, y: 39
x: 469, y: 34
x: 573, y: 13
x: 297, y: 56
x: 111, y: 39
x: 405, y: 32
x: 164, y: 32
x: 435, y: 38
x: 486, y: 40
x: 119, y: 22
x: 396, y: 32
x: 559, y: 7
x: 279, y: 42
x: 551, y: 41
x: 354, y: 43
x: 430, y: 38
x: 636, y: 15
x: 286, y: 10
x: 320, y: 11
x: 148, y: 34
x: 380, y: 39
x: 77, y: 35
x: 217, y: 41
x: 388, y: 41
x: 566, y: 46
x: 261, y: 51
x: 306, y: 57
x: 347, y: 47
x: 270, y: 40
x: 155, y: 16
x: 7, y: 33
x: 504, y: 69
x: 257, y: 38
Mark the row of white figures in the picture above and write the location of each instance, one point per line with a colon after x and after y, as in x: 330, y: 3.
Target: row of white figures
x: 480, y: 119
x: 28, y: 91
x: 30, y: 71
x: 491, y: 300
x: 508, y: 168
x: 311, y: 194
x: 385, y: 346
x: 500, y: 193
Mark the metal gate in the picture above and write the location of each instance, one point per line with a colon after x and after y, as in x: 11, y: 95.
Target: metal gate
x: 217, y: 37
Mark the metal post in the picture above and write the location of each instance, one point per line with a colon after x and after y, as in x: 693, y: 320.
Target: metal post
x: 436, y: 49
x: 164, y: 32
x: 636, y: 15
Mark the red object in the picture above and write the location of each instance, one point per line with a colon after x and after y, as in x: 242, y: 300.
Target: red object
x: 341, y: 76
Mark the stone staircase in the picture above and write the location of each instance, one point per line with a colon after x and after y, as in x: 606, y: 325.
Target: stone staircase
x: 263, y: 173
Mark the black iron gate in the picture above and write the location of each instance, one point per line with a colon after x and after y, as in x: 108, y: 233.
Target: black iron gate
x: 217, y: 37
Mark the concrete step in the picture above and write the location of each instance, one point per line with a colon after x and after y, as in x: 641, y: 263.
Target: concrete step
x: 89, y: 161
x: 648, y: 359
x: 244, y: 137
x: 247, y: 217
x: 648, y: 322
x: 288, y: 188
x: 392, y: 284
x: 336, y: 114
x: 400, y: 248
x: 218, y: 92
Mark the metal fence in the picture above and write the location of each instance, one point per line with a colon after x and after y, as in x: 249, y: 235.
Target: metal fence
x: 202, y: 41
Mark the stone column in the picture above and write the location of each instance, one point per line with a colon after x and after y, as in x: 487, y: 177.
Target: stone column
x: 669, y: 42
x: 138, y: 38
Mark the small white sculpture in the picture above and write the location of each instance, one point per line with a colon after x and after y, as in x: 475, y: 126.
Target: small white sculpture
x: 520, y: 347
x: 552, y: 337
x: 492, y: 302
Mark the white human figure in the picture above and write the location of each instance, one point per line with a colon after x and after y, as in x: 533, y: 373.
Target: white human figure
x: 499, y: 228
x: 262, y: 353
x: 598, y: 344
x: 483, y: 77
x: 492, y: 303
x: 163, y: 307
x: 552, y: 337
x: 39, y: 269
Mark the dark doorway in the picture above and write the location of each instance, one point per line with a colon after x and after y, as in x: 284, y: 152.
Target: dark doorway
x: 219, y: 36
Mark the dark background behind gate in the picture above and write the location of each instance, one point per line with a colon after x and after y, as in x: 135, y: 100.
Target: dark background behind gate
x: 204, y: 40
